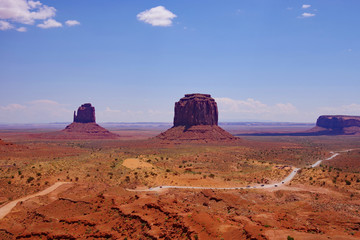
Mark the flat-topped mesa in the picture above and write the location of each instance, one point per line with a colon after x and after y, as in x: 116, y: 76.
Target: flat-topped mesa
x: 338, y: 122
x: 196, y: 120
x: 196, y: 109
x: 85, y: 114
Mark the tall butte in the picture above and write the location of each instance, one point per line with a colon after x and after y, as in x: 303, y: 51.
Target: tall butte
x: 196, y: 120
x: 84, y: 125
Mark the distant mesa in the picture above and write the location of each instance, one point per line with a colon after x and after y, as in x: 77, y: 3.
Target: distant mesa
x: 325, y: 125
x: 196, y: 120
x: 338, y: 125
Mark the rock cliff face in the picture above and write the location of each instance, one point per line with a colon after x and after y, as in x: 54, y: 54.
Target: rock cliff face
x: 196, y: 109
x: 196, y: 120
x: 85, y: 114
x: 338, y: 121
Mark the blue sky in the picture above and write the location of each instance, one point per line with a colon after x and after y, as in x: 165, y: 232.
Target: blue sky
x: 262, y: 60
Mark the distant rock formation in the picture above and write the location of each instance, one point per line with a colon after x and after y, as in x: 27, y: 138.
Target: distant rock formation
x: 338, y: 121
x: 85, y: 114
x: 338, y: 124
x: 83, y: 127
x: 196, y: 120
x: 196, y: 109
x: 325, y: 125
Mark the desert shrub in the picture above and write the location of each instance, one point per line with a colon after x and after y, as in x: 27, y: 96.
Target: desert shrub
x: 290, y: 238
x: 29, y: 179
x: 347, y: 182
x: 19, y: 172
x: 211, y: 175
x: 38, y: 174
x: 167, y: 170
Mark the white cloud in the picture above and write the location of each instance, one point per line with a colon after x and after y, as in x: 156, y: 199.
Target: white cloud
x: 50, y: 23
x: 157, y: 16
x: 71, y: 23
x: 12, y: 107
x: 304, y: 6
x: 25, y: 12
x: 21, y: 29
x: 35, y: 111
x: 232, y: 109
x: 350, y: 109
x: 307, y: 15
x: 5, y: 25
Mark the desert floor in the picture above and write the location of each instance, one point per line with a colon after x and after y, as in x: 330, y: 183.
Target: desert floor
x: 96, y: 195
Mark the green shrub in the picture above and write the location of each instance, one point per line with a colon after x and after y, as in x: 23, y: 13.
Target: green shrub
x: 29, y: 179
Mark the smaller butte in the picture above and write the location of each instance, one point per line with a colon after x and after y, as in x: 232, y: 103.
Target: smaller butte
x: 196, y: 120
x: 84, y: 125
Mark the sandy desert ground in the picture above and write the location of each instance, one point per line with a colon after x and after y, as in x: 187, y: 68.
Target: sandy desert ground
x: 95, y: 203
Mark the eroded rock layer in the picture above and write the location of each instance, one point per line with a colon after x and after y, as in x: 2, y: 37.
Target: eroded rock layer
x: 196, y: 109
x: 338, y: 121
x: 85, y: 114
x: 196, y: 120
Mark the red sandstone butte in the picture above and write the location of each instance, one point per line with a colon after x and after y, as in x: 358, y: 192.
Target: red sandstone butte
x: 196, y: 120
x: 85, y: 114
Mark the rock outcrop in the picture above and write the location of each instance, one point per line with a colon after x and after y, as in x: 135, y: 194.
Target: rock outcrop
x: 85, y: 114
x: 196, y: 120
x: 338, y: 121
x: 338, y: 124
x: 83, y: 127
x: 196, y: 109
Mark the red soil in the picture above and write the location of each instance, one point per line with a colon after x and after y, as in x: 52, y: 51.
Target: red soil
x: 197, y: 133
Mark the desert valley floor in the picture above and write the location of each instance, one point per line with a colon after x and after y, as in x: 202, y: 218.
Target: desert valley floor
x: 101, y: 190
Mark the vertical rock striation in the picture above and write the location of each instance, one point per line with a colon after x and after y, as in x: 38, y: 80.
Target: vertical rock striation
x: 196, y: 120
x: 196, y: 109
x: 85, y: 114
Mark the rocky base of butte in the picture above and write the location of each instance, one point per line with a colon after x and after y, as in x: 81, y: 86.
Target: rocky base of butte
x: 196, y: 120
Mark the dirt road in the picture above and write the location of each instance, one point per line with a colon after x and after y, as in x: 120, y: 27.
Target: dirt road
x: 8, y: 207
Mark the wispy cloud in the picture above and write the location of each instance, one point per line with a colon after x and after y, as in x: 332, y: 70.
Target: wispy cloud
x: 5, y: 26
x: 21, y: 29
x: 50, y: 23
x: 157, y: 16
x: 43, y: 110
x: 349, y: 109
x: 71, y: 23
x: 308, y: 15
x: 12, y: 107
x: 305, y: 6
x: 232, y: 109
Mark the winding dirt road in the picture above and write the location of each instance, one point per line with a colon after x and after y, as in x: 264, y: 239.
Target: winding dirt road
x: 262, y: 186
x: 8, y: 207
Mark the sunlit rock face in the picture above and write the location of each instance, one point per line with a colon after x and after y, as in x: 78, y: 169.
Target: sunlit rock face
x: 196, y: 109
x: 85, y: 114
